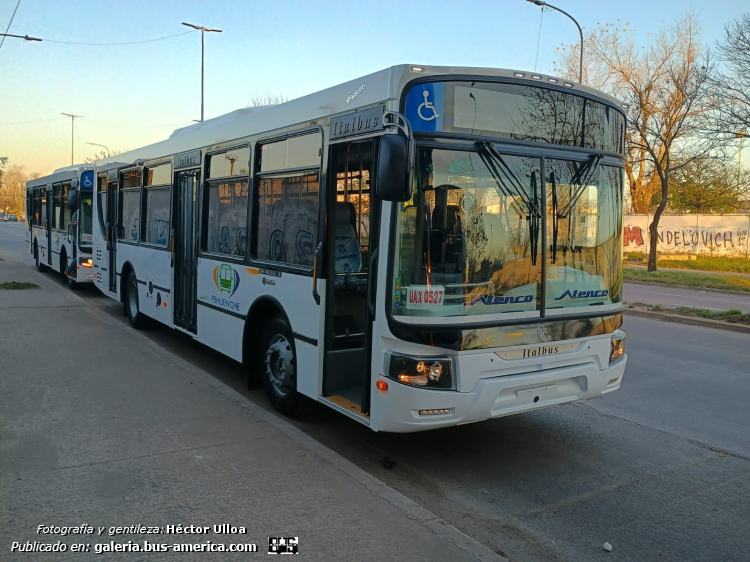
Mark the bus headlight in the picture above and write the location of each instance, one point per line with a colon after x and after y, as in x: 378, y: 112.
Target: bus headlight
x: 428, y: 372
x: 617, y: 346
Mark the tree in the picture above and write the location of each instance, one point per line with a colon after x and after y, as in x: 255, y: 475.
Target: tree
x: 731, y: 87
x: 708, y: 185
x: 665, y: 84
x: 13, y: 193
x: 269, y: 98
x: 101, y: 155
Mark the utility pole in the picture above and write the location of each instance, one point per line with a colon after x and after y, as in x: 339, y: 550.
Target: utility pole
x: 203, y: 31
x: 580, y: 31
x: 72, y: 121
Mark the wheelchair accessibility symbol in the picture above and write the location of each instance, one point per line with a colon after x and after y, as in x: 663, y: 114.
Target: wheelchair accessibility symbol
x: 427, y: 105
x: 87, y: 182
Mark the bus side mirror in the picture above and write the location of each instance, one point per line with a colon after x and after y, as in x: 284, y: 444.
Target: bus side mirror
x: 73, y: 200
x: 393, y: 182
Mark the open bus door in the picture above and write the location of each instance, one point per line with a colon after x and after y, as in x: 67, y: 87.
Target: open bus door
x: 111, y: 230
x: 352, y: 250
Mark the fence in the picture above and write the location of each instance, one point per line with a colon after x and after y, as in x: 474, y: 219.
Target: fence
x: 715, y: 235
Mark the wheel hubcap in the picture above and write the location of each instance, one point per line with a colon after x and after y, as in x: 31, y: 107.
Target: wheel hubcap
x: 280, y: 365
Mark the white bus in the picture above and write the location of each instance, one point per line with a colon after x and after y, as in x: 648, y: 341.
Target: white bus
x: 419, y: 248
x: 59, y: 213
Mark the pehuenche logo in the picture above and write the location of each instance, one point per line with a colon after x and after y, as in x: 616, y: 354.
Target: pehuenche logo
x: 226, y: 279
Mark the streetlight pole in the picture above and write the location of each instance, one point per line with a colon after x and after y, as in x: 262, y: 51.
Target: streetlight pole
x: 72, y: 121
x: 104, y: 147
x: 580, y: 31
x: 203, y: 31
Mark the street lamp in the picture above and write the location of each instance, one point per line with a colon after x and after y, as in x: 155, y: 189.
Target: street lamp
x: 104, y: 147
x: 203, y: 31
x: 580, y: 31
x: 72, y: 127
x: 24, y: 37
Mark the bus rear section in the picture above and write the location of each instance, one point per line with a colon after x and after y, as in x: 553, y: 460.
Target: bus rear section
x: 59, y: 223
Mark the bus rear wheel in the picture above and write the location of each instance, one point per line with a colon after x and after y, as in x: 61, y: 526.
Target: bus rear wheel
x: 131, y: 304
x: 278, y: 363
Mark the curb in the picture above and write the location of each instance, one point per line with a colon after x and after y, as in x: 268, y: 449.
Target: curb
x: 690, y: 320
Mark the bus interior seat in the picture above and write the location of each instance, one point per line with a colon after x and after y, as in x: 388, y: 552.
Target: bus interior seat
x: 348, y: 258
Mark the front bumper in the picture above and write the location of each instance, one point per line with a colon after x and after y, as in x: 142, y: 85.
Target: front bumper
x: 397, y: 410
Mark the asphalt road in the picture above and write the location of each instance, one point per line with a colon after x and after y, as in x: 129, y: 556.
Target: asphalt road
x: 670, y: 297
x: 660, y: 469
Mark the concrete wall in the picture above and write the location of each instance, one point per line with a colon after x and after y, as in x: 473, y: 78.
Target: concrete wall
x: 717, y: 235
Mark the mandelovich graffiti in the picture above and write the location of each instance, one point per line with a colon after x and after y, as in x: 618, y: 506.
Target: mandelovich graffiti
x: 725, y: 235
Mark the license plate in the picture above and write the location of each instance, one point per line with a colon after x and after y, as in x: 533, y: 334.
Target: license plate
x: 424, y: 296
x: 539, y: 351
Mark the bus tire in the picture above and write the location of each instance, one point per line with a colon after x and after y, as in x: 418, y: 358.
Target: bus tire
x: 131, y: 303
x: 39, y: 265
x: 278, y: 361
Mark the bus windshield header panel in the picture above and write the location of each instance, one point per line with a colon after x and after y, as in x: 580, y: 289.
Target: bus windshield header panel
x: 515, y: 111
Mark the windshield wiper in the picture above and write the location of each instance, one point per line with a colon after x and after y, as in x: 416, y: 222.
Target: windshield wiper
x: 582, y: 178
x: 491, y: 158
x: 588, y: 168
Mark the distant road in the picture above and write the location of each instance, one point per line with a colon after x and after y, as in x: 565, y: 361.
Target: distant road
x: 669, y: 297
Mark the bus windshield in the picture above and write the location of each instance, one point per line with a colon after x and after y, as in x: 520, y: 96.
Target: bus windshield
x: 85, y: 215
x: 470, y: 240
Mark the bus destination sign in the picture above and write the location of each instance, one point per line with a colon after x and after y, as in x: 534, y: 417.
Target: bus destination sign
x: 358, y: 123
x: 187, y: 159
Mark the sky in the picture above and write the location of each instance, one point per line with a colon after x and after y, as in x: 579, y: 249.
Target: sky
x: 134, y: 95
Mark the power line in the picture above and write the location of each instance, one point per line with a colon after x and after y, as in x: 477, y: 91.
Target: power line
x: 138, y: 126
x: 100, y: 123
x: 115, y: 44
x: 30, y: 122
x: 9, y: 23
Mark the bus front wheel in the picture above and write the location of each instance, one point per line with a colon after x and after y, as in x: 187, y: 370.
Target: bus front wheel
x: 39, y: 265
x: 278, y: 363
x: 132, y: 308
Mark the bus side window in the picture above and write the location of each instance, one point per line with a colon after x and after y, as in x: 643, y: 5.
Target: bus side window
x: 287, y: 196
x: 225, y: 202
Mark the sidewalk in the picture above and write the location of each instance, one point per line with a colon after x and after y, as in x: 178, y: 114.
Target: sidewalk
x: 101, y: 426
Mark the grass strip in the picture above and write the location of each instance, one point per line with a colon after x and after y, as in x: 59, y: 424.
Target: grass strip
x: 703, y: 263
x: 732, y: 315
x: 666, y: 277
x: 18, y: 285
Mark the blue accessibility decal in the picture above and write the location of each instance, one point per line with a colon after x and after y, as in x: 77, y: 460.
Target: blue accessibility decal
x: 425, y: 105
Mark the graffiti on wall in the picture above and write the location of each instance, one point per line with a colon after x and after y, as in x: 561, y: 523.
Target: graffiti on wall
x: 713, y: 235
